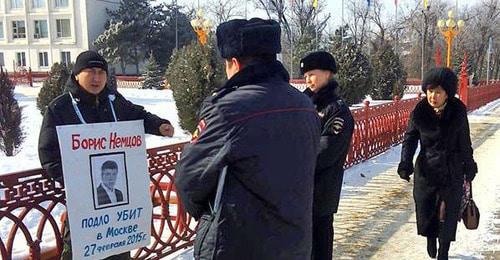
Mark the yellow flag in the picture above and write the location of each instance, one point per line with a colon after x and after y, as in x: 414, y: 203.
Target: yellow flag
x: 315, y: 4
x: 426, y: 4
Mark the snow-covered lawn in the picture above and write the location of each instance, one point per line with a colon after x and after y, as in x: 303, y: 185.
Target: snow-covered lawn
x: 159, y: 102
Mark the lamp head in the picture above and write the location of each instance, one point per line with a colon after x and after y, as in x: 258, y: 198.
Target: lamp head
x: 440, y: 23
x: 450, y: 14
x: 450, y: 23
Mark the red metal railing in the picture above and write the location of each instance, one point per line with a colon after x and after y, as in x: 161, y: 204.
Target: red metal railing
x: 29, y: 194
x: 482, y: 94
x: 377, y: 128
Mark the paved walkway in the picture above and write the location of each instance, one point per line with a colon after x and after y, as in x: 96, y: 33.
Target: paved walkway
x: 483, y: 243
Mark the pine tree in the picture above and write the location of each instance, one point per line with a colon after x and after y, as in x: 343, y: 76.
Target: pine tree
x: 194, y: 72
x: 153, y: 78
x: 53, y: 86
x: 354, y: 71
x: 11, y: 135
x: 389, y: 75
x: 112, y: 83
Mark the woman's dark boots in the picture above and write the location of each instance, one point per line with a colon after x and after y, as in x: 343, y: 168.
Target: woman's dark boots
x: 444, y: 246
x: 431, y: 247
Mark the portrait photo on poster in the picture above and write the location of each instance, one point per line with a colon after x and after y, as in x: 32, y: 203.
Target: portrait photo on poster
x: 108, y: 173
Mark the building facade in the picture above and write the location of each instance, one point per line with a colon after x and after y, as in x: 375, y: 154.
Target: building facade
x: 38, y: 33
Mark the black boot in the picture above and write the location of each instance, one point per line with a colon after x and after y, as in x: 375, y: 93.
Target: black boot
x: 431, y: 247
x: 444, y: 246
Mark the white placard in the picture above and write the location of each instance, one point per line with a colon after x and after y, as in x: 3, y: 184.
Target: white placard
x: 107, y: 187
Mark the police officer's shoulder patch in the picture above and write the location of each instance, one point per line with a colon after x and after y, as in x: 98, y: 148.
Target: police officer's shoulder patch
x: 202, y: 125
x: 337, y: 125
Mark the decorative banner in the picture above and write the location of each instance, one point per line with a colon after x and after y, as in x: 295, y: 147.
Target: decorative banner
x: 107, y: 187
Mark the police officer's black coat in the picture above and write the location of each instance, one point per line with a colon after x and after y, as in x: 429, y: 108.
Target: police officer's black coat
x: 444, y: 159
x: 94, y: 109
x: 337, y: 126
x: 266, y: 132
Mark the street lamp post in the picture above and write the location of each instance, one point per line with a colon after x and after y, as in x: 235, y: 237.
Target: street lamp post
x: 449, y: 29
x: 201, y: 27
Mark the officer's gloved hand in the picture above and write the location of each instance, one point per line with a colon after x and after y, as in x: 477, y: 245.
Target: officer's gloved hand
x: 405, y: 170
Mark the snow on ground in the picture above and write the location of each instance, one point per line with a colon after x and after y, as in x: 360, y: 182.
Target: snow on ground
x: 159, y: 102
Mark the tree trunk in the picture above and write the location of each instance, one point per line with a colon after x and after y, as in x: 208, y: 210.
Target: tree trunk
x: 122, y: 66
x: 136, y: 55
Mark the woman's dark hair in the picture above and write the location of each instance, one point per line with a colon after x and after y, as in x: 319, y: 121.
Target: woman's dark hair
x: 443, y: 77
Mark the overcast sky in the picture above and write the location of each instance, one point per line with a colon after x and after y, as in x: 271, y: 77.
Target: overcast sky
x: 333, y: 7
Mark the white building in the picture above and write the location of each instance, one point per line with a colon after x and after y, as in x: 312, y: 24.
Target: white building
x: 38, y: 33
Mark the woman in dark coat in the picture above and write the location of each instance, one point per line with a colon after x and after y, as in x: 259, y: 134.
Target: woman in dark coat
x: 445, y: 159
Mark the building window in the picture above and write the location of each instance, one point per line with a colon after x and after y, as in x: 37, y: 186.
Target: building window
x: 1, y: 30
x: 2, y: 62
x: 66, y: 57
x: 41, y: 30
x: 14, y: 4
x: 43, y: 59
x: 18, y: 29
x: 21, y: 59
x: 61, y: 3
x: 38, y: 3
x: 63, y: 28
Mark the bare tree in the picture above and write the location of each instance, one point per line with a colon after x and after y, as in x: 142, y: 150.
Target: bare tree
x: 420, y: 35
x: 358, y: 12
x: 481, y: 23
x: 224, y: 10
x: 302, y: 25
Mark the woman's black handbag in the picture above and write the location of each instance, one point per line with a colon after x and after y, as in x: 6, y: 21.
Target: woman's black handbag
x: 470, y: 214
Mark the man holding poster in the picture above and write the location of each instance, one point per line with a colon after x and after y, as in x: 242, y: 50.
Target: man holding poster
x: 89, y: 101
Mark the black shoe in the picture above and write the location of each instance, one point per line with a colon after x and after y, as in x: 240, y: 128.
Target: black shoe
x: 431, y: 247
x: 444, y: 246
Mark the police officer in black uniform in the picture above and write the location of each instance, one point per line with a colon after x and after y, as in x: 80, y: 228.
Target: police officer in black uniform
x: 337, y: 126
x: 265, y: 133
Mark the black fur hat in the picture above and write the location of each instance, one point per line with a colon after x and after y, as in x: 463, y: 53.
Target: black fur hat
x: 443, y: 77
x: 320, y: 60
x: 243, y: 38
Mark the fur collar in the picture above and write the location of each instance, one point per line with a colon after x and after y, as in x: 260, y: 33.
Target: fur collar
x: 452, y: 118
x: 325, y: 95
x: 256, y: 73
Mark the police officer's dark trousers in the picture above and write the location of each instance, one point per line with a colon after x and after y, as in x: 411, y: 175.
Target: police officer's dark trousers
x: 322, y: 237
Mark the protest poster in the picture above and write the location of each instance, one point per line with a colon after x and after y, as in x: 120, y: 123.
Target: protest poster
x: 107, y: 187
